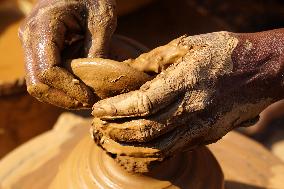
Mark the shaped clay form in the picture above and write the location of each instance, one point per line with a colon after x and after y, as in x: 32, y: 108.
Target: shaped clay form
x: 90, y: 166
x: 107, y: 77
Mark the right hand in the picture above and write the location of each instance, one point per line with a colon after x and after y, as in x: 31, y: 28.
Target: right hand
x: 57, y: 30
x: 209, y: 84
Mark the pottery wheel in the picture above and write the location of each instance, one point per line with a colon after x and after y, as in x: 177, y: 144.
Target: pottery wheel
x: 39, y: 159
x: 90, y: 166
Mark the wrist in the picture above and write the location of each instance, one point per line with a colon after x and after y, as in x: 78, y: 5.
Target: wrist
x: 258, y: 64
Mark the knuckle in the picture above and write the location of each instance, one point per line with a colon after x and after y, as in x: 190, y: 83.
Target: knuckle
x: 147, y: 134
x: 27, y: 29
x: 103, y: 12
x: 142, y: 133
x: 144, y: 104
x: 150, y: 130
x: 20, y: 33
x: 141, y: 130
x: 37, y: 90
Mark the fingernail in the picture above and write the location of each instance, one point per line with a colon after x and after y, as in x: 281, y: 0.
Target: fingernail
x: 98, y: 111
x: 103, y: 110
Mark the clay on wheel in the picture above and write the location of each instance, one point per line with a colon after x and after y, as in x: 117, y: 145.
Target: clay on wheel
x: 107, y: 77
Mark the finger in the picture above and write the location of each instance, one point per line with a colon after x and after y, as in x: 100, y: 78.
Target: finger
x: 68, y: 84
x: 180, y: 139
x: 43, y: 38
x: 50, y: 95
x: 101, y: 24
x: 47, y: 30
x: 144, y: 130
x: 152, y: 97
x: 43, y: 66
x: 156, y: 148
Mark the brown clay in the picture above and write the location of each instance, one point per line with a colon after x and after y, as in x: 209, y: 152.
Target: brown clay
x: 90, y: 166
x: 160, y: 58
x: 106, y: 77
x: 109, y: 78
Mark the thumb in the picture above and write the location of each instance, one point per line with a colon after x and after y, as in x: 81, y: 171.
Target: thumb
x: 101, y: 23
x: 152, y: 97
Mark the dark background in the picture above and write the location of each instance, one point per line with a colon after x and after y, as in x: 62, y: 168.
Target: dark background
x: 165, y: 20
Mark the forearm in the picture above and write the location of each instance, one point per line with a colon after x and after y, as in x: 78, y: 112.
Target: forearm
x: 255, y: 81
x: 259, y: 59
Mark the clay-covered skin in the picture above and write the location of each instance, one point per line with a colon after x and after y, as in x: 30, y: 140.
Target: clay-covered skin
x: 57, y: 30
x: 222, y: 81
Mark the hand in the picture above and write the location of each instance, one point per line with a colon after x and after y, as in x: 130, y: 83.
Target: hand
x: 57, y: 30
x: 215, y: 83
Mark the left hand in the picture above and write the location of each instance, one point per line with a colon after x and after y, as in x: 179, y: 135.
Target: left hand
x: 58, y: 30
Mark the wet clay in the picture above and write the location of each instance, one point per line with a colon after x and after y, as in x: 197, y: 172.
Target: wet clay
x: 90, y: 166
x: 160, y: 58
x: 109, y: 78
x: 106, y: 77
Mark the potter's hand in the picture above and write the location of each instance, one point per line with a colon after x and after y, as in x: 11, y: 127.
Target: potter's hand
x: 217, y: 82
x: 57, y: 30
